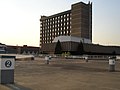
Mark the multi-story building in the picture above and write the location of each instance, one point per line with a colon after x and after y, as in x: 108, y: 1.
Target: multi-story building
x: 76, y: 22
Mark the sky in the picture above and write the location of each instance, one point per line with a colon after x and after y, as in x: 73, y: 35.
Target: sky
x: 20, y: 25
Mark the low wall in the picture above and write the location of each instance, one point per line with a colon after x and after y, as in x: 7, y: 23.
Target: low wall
x: 20, y: 56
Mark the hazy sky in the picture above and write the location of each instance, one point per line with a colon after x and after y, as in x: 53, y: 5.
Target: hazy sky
x: 19, y: 20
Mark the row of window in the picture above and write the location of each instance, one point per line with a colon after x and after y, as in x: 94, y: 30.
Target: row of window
x: 48, y: 37
x: 55, y: 26
x: 56, y: 33
x: 67, y: 30
x: 58, y: 18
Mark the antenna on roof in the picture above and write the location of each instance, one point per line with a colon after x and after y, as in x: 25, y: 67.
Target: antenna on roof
x: 89, y: 2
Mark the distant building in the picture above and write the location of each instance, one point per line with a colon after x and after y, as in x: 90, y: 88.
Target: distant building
x: 10, y: 49
x: 71, y: 31
x: 76, y: 22
x: 29, y: 50
x: 77, y: 48
x: 74, y: 25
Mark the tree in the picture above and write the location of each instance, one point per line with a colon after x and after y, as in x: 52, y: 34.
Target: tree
x: 80, y: 48
x: 58, y: 48
x: 113, y: 53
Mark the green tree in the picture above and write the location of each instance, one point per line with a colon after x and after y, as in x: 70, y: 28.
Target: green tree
x: 80, y: 49
x: 58, y: 48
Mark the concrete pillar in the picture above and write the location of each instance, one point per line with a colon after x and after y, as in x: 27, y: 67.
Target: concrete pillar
x: 112, y: 64
x: 47, y: 59
x: 86, y: 58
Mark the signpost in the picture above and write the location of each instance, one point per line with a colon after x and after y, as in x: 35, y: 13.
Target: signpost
x: 7, y: 69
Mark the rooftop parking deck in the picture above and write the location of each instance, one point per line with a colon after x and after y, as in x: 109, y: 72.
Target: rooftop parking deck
x: 64, y: 74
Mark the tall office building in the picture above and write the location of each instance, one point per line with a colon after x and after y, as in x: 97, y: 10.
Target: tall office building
x: 76, y: 22
x: 81, y: 20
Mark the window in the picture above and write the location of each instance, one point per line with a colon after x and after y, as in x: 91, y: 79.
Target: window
x: 61, y: 33
x: 58, y: 21
x: 67, y: 15
x: 64, y: 32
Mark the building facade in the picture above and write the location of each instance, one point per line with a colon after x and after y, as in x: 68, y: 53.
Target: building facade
x: 81, y: 20
x: 76, y: 22
x: 2, y: 48
x: 76, y: 48
x: 11, y: 49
